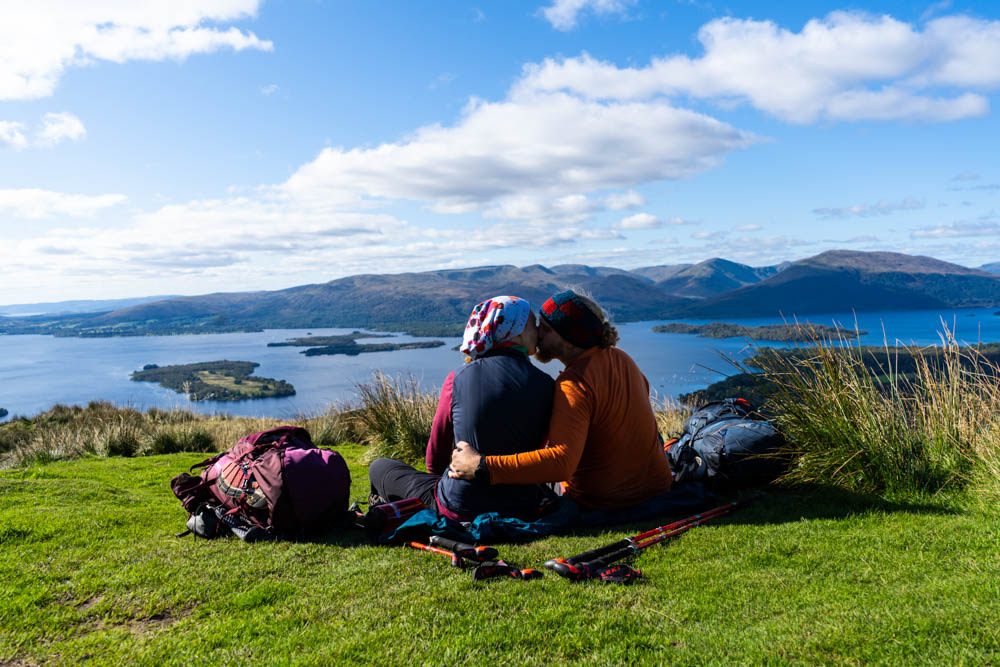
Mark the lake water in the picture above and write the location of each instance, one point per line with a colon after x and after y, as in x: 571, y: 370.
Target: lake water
x: 37, y: 372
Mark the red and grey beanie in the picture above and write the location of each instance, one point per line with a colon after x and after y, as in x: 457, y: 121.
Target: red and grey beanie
x: 570, y: 317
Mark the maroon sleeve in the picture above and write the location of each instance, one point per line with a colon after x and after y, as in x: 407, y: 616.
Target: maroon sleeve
x: 442, y: 439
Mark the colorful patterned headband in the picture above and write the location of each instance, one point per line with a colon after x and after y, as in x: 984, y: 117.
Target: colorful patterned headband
x: 493, y: 323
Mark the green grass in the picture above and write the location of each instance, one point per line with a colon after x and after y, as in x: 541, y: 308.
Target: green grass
x: 90, y: 572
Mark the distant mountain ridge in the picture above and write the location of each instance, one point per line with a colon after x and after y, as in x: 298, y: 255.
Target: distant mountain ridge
x: 713, y: 276
x: 833, y: 281
x: 79, y: 306
x: 384, y: 301
x: 841, y: 280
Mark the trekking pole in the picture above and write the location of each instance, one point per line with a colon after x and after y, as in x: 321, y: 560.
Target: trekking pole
x: 623, y: 543
x: 593, y: 567
x: 467, y: 551
x: 456, y: 560
x: 588, y: 564
x: 486, y: 569
x: 500, y: 568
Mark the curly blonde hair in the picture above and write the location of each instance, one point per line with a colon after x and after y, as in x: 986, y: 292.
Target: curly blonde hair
x: 609, y: 334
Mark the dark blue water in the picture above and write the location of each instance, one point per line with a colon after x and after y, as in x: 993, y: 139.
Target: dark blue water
x: 36, y: 372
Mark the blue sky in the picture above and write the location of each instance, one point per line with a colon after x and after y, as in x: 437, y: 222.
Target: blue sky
x: 227, y: 145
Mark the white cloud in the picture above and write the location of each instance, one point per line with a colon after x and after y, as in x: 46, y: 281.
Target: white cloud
x: 519, y: 158
x: 844, y: 67
x: 935, y: 8
x: 564, y: 14
x: 639, y: 221
x: 33, y: 203
x: 624, y: 200
x: 269, y: 89
x: 966, y: 176
x: 264, y: 239
x: 39, y: 40
x: 12, y: 134
x: 55, y: 128
x: 883, y: 207
x: 59, y: 127
x: 747, y: 228
x: 957, y: 229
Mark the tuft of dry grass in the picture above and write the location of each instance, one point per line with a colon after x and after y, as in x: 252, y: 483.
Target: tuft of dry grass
x: 670, y: 416
x: 104, y: 429
x: 868, y: 427
x: 395, y: 417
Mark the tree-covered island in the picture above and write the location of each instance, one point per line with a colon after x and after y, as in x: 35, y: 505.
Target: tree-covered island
x: 772, y: 332
x: 215, y: 381
x: 347, y: 344
x: 3, y: 412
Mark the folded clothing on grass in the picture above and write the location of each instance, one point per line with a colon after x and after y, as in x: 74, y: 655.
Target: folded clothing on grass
x: 491, y: 528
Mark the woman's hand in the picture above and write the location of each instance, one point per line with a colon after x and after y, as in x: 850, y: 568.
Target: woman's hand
x: 464, y: 461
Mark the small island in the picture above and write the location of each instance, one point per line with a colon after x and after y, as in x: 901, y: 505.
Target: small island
x: 3, y: 412
x: 312, y: 341
x: 771, y: 332
x: 348, y: 344
x: 215, y: 381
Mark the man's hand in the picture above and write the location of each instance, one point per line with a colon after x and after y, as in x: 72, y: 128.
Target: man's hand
x: 464, y: 461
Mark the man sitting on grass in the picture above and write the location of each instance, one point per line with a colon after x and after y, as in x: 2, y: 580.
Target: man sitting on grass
x: 603, y: 443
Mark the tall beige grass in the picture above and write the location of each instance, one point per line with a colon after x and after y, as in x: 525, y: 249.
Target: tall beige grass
x: 104, y: 429
x: 396, y: 416
x: 868, y: 427
x: 670, y: 415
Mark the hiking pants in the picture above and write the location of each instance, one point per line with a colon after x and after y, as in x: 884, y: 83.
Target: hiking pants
x: 393, y: 480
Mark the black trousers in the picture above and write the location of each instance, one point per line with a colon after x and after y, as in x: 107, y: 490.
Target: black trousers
x: 393, y: 480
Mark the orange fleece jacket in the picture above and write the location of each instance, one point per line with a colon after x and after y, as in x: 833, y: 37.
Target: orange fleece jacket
x: 602, y: 439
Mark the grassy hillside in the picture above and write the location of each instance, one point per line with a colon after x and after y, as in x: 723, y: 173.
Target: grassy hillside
x: 90, y: 572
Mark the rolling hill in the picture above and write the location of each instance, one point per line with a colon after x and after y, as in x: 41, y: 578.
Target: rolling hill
x: 840, y: 281
x: 713, y: 277
x: 399, y: 300
x: 434, y: 302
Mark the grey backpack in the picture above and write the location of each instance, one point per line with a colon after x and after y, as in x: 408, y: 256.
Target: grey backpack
x: 727, y: 446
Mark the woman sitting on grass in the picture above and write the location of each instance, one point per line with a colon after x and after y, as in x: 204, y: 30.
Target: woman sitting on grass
x: 499, y: 402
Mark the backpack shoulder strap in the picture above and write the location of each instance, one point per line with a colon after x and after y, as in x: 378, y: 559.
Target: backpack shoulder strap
x: 207, y: 462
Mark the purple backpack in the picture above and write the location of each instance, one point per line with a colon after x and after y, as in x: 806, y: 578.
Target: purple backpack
x: 268, y: 483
